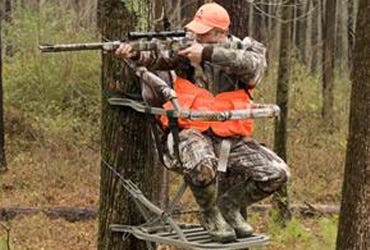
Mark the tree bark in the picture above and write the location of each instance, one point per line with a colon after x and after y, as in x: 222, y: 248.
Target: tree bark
x: 3, y: 165
x: 239, y: 15
x: 350, y: 30
x: 341, y: 37
x: 301, y: 25
x: 8, y: 11
x: 354, y: 220
x: 259, y: 23
x: 188, y: 9
x: 125, y: 137
x: 158, y: 14
x: 328, y: 61
x: 280, y: 198
x: 307, y: 51
x: 316, y: 36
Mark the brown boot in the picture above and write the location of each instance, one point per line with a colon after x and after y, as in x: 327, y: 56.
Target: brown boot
x: 212, y: 219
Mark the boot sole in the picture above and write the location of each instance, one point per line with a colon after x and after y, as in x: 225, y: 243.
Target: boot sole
x: 243, y: 234
x: 224, y: 239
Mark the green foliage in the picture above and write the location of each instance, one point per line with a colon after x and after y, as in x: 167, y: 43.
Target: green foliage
x: 304, y: 234
x: 3, y: 242
x: 142, y: 10
x: 293, y: 234
x: 328, y: 229
x: 54, y: 91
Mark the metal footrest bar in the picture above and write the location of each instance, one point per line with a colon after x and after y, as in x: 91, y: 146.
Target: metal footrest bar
x: 196, y: 237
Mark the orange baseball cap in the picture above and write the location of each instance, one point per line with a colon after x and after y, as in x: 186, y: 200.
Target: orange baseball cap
x: 209, y: 16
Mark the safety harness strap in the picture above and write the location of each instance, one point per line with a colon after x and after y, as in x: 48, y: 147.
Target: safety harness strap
x: 223, y: 155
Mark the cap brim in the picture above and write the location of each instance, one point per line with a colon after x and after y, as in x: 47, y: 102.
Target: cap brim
x: 197, y: 27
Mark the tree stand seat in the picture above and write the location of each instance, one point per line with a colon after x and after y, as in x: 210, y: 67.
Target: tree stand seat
x: 194, y: 236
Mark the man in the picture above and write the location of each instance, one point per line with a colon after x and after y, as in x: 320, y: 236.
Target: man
x: 217, y: 78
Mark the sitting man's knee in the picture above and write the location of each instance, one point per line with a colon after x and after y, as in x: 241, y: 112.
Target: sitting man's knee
x: 282, y: 172
x: 279, y: 178
x: 203, y: 174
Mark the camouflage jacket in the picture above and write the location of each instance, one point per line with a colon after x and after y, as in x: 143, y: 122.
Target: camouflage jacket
x: 222, y: 69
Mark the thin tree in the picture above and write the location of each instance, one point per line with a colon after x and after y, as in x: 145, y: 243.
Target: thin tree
x: 125, y: 145
x: 300, y: 31
x: 3, y: 165
x: 354, y: 219
x: 316, y: 36
x: 307, y: 55
x: 259, y: 27
x: 8, y: 18
x: 328, y: 61
x: 280, y: 198
x: 341, y: 37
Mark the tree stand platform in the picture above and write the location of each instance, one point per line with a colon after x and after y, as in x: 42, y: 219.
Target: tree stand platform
x: 161, y: 228
x: 194, y: 236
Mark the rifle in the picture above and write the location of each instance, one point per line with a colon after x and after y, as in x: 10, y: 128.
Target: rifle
x: 156, y: 41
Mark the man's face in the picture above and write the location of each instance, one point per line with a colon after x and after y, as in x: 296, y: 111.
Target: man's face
x: 213, y: 36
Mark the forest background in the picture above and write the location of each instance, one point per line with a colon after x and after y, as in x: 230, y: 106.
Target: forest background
x: 52, y: 117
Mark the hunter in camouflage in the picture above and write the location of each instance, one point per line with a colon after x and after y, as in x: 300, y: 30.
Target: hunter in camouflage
x: 222, y: 172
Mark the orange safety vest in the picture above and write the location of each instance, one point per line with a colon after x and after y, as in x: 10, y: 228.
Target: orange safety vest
x: 193, y: 97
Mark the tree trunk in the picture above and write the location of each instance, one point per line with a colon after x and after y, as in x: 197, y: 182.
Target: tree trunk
x: 125, y: 137
x: 259, y: 23
x: 340, y: 38
x: 158, y: 14
x: 354, y: 220
x: 328, y: 61
x: 307, y: 56
x: 239, y: 15
x: 8, y: 11
x: 3, y: 165
x: 280, y: 198
x: 316, y: 36
x: 188, y: 9
x: 350, y: 30
x: 301, y: 25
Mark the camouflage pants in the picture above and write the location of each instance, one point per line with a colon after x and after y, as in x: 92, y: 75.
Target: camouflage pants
x: 249, y: 162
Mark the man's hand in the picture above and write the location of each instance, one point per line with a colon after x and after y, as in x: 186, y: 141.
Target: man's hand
x: 125, y: 51
x: 193, y: 53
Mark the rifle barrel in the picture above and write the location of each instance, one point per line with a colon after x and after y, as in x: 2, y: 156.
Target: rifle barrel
x: 79, y: 46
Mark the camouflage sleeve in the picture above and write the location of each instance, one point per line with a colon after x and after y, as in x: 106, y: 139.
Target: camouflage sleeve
x: 248, y: 63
